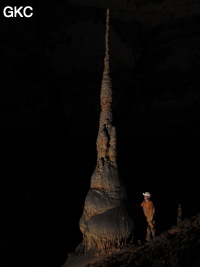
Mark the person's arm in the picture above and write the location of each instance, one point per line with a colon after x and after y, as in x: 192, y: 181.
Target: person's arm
x: 151, y: 213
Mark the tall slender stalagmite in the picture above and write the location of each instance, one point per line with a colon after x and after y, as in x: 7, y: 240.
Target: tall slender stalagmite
x: 106, y: 141
x: 105, y: 222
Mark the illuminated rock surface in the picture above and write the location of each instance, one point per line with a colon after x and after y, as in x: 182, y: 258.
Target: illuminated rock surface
x: 51, y: 71
x: 177, y: 247
x: 105, y: 223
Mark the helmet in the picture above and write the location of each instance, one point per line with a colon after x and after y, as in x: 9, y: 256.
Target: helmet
x: 147, y: 194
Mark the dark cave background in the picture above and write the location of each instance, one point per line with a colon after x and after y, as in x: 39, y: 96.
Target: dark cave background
x: 50, y: 79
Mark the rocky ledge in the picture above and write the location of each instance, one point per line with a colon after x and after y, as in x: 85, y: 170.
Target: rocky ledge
x: 177, y: 247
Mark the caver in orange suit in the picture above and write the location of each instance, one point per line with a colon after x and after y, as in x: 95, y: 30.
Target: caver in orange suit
x: 149, y: 212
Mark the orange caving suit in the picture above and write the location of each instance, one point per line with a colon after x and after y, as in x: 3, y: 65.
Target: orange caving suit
x: 149, y: 212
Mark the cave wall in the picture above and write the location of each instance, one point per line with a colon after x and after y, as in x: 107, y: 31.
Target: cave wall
x: 51, y: 70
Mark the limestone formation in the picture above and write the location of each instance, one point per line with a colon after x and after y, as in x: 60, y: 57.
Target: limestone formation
x: 105, y: 222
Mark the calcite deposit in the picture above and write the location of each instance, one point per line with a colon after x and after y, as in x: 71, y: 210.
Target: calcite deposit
x: 105, y: 223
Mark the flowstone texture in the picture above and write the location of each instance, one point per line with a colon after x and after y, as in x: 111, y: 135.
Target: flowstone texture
x: 106, y: 224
